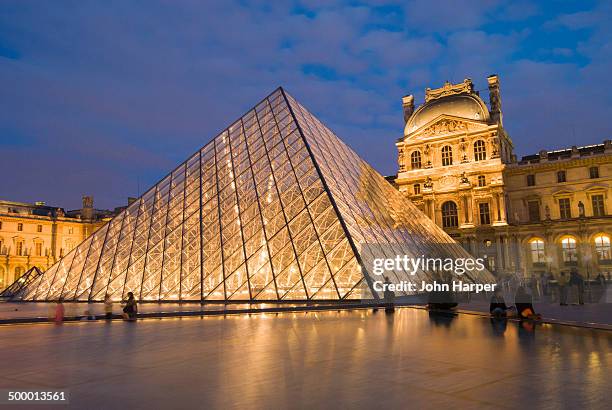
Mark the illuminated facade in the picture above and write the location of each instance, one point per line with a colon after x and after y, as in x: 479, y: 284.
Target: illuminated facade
x: 39, y: 235
x: 276, y: 207
x: 545, y: 212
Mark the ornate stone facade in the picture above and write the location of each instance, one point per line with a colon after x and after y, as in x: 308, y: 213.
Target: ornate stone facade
x: 38, y: 235
x: 546, y: 212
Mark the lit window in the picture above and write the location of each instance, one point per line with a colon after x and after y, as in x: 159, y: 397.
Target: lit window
x: 18, y: 272
x: 568, y: 246
x: 561, y: 177
x: 598, y: 205
x: 20, y: 226
x: 531, y: 180
x: 417, y: 189
x: 415, y: 160
x: 38, y: 228
x: 485, y: 215
x: 70, y: 230
x: 447, y: 155
x: 19, y: 248
x: 594, y: 172
x: 38, y: 249
x: 602, y: 247
x: 565, y: 211
x: 449, y: 215
x: 480, y: 152
x: 482, y: 180
x: 537, y: 251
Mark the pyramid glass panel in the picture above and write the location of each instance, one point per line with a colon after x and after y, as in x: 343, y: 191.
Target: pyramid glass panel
x: 276, y: 207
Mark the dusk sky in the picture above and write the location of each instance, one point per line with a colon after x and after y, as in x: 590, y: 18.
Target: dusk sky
x: 105, y: 97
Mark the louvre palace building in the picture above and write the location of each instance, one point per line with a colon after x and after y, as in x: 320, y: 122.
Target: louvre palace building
x: 546, y: 212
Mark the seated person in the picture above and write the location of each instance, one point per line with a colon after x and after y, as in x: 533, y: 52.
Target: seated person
x: 524, y: 305
x: 498, y: 307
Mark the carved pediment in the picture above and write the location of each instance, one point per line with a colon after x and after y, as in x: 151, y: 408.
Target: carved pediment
x: 448, y: 125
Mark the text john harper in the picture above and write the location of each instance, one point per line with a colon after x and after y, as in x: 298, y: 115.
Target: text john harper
x: 455, y: 286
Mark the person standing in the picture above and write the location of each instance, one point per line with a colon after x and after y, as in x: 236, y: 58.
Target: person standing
x: 563, y: 283
x: 59, y: 312
x: 108, y: 307
x: 131, y: 308
x: 577, y: 282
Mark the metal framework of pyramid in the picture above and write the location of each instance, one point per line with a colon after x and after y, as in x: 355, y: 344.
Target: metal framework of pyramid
x: 275, y: 207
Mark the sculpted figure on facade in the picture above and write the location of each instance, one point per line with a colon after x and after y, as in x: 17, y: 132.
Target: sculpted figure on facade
x: 401, y: 159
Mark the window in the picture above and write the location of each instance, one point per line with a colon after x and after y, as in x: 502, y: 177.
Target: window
x: 537, y: 251
x: 482, y: 181
x: 38, y: 249
x: 561, y: 176
x: 19, y: 248
x: 594, y: 172
x: 20, y: 226
x: 415, y: 160
x: 602, y: 247
x: 598, y: 205
x: 69, y: 245
x: 447, y: 156
x: 568, y: 246
x: 533, y: 208
x: 18, y: 272
x: 417, y: 189
x: 531, y: 180
x: 38, y: 228
x: 0, y: 224
x: 449, y: 215
x: 1, y: 246
x: 485, y: 215
x: 70, y: 230
x: 565, y: 212
x: 480, y: 152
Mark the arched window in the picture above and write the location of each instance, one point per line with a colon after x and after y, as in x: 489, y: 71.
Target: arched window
x: 449, y: 215
x: 602, y: 247
x: 447, y: 155
x: 537, y: 251
x: 480, y: 151
x: 415, y: 160
x: 568, y: 246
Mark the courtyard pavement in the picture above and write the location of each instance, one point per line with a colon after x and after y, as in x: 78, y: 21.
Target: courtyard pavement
x: 340, y: 359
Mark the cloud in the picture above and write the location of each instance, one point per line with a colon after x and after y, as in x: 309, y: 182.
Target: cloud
x: 99, y: 96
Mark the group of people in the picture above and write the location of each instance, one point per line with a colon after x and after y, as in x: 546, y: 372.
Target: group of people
x: 523, y: 305
x: 130, y: 310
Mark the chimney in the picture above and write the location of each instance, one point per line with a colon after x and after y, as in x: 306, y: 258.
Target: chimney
x: 408, y: 106
x: 87, y: 212
x: 495, y: 98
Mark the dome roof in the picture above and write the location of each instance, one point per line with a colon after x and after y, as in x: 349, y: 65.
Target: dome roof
x: 468, y: 106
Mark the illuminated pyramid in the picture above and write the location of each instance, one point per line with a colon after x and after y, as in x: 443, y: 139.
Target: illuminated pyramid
x: 276, y: 207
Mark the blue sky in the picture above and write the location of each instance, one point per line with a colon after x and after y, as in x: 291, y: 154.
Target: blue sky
x: 105, y: 97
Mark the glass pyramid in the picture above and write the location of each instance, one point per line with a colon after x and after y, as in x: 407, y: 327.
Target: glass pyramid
x: 275, y: 207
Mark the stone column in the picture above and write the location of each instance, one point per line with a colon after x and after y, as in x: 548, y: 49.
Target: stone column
x: 499, y: 257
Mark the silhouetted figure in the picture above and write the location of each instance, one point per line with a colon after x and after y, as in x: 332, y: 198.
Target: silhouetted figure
x: 544, y: 280
x: 524, y: 305
x: 108, y: 307
x: 389, y: 297
x: 601, y: 279
x: 59, y: 312
x: 563, y: 283
x: 131, y: 308
x: 498, y: 307
x: 577, y: 282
